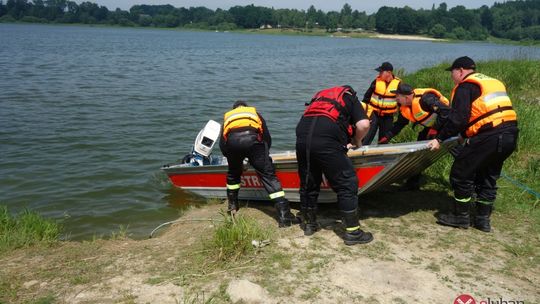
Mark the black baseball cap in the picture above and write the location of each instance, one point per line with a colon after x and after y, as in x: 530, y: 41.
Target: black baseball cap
x: 403, y: 89
x: 239, y: 103
x: 464, y: 62
x: 385, y: 66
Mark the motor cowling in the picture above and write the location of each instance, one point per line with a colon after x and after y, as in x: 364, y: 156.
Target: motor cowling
x: 204, y: 143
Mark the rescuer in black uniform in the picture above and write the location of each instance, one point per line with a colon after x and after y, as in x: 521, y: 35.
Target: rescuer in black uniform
x: 245, y: 135
x: 483, y: 116
x: 332, y: 123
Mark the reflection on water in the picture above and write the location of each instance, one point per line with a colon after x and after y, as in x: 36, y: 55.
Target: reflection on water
x: 180, y: 199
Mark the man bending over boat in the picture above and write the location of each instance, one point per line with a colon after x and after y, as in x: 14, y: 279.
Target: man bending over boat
x: 245, y: 135
x: 426, y: 107
x: 332, y: 120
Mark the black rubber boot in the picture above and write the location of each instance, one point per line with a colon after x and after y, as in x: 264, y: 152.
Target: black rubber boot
x: 232, y: 199
x: 459, y: 218
x: 481, y: 219
x: 284, y: 216
x: 309, y: 221
x: 353, y: 234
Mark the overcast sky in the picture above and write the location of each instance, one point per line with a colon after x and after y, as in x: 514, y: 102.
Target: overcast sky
x: 370, y: 6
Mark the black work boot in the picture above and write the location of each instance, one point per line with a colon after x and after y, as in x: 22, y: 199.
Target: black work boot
x: 309, y: 221
x: 284, y: 216
x: 481, y: 219
x: 353, y: 234
x: 232, y: 199
x: 458, y: 218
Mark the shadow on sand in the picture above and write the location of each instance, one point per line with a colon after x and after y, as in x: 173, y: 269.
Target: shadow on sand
x: 392, y: 202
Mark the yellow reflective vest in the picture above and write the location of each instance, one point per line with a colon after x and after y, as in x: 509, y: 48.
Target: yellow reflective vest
x: 493, y: 107
x: 383, y: 101
x: 241, y: 117
x: 368, y: 109
x: 416, y: 114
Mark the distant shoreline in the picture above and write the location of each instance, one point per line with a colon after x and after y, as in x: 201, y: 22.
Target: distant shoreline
x: 286, y: 32
x: 323, y: 33
x: 371, y: 35
x: 297, y: 32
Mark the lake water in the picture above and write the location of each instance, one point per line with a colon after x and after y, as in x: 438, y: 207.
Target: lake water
x: 88, y: 115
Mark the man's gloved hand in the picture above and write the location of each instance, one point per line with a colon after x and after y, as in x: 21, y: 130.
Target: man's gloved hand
x: 432, y: 133
x: 383, y: 140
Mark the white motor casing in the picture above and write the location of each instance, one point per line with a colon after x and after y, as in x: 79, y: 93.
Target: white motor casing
x: 206, y: 138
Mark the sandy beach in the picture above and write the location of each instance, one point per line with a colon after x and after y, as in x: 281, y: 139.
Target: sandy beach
x: 406, y: 37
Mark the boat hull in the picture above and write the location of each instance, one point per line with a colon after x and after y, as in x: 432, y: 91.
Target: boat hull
x: 375, y: 166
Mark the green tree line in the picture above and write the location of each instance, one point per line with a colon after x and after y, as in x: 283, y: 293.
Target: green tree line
x: 515, y: 20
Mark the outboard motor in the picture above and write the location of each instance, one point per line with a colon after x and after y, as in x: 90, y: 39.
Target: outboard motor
x: 204, y: 143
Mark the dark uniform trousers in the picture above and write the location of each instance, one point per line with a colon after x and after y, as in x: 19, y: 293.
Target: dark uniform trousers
x: 478, y: 165
x: 247, y: 144
x: 331, y: 160
x: 381, y: 123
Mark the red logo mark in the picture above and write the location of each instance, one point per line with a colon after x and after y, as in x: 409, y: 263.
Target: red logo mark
x: 464, y: 299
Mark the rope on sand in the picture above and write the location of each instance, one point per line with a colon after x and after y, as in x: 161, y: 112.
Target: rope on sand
x: 183, y: 221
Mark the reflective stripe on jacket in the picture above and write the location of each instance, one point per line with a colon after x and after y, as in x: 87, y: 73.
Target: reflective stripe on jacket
x: 383, y: 100
x: 416, y: 114
x: 492, y: 108
x: 241, y: 117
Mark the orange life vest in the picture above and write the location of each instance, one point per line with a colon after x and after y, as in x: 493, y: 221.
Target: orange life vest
x: 241, y: 117
x: 416, y: 114
x: 383, y: 100
x: 492, y: 108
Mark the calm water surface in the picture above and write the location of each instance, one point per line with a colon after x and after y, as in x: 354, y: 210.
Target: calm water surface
x: 88, y: 115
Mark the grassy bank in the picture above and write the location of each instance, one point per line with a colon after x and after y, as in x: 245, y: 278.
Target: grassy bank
x: 26, y: 229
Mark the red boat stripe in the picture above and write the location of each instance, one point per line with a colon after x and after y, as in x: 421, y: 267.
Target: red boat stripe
x: 251, y: 180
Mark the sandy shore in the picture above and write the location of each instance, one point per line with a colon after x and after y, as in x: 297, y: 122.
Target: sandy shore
x: 411, y: 260
x: 406, y: 37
